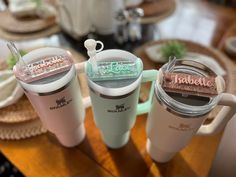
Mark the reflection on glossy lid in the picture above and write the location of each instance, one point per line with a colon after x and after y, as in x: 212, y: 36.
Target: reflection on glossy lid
x: 115, y: 70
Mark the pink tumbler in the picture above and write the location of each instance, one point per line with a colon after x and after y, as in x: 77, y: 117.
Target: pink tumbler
x: 49, y: 79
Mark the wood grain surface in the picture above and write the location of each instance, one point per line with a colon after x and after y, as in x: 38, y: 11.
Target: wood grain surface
x: 43, y: 156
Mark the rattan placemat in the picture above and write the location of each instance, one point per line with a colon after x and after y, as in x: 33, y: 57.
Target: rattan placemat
x: 21, y: 111
x: 20, y: 121
x: 26, y: 36
x: 221, y: 58
x: 12, y: 24
x: 17, y: 131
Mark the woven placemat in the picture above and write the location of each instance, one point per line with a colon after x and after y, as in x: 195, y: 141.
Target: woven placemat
x: 21, y: 111
x: 20, y: 121
x: 222, y: 59
x: 17, y: 131
x: 27, y: 36
x: 157, y: 10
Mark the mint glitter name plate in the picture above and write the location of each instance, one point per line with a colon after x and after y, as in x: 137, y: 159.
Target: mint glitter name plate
x: 115, y: 70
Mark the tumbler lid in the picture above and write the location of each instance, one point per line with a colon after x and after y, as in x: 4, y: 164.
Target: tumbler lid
x: 52, y: 76
x: 187, y: 105
x: 119, y: 72
x: 42, y: 63
x: 110, y: 69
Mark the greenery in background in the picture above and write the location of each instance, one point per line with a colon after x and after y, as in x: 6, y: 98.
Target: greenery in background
x: 38, y: 2
x: 173, y: 49
x: 11, y: 60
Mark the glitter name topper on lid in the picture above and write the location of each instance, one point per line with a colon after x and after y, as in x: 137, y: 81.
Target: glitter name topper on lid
x: 48, y: 64
x: 191, y: 80
x: 44, y: 67
x: 188, y: 84
x: 115, y: 70
x: 111, y: 69
x: 39, y: 67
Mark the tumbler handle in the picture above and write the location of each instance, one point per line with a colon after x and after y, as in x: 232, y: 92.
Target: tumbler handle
x: 148, y: 75
x: 227, y: 112
x: 80, y: 69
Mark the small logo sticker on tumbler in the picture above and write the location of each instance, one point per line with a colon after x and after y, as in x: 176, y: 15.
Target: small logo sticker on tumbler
x: 119, y: 108
x: 61, y: 103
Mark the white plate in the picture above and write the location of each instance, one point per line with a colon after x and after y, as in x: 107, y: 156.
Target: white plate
x: 154, y: 54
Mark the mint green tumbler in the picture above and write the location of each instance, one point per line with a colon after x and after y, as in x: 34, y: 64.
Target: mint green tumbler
x: 115, y: 101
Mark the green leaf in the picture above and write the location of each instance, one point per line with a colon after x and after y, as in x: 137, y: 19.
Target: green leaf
x: 173, y: 48
x: 11, y: 60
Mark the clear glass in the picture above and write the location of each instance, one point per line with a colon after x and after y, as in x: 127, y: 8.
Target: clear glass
x: 186, y: 110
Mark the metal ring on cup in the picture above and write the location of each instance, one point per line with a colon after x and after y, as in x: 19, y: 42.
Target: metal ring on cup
x: 112, y: 97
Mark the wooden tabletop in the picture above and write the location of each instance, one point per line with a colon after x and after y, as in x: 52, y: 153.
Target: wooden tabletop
x: 43, y: 156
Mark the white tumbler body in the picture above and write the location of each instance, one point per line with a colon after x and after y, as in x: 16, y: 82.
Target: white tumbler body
x: 175, y: 118
x: 168, y: 132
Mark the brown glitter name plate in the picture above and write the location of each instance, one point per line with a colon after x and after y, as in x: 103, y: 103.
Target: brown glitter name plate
x: 191, y: 84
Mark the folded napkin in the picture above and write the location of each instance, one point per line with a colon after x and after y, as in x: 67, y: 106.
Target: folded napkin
x: 10, y: 90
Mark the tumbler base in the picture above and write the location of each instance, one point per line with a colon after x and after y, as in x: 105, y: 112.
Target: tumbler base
x: 116, y: 141
x: 157, y: 154
x: 71, y: 139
